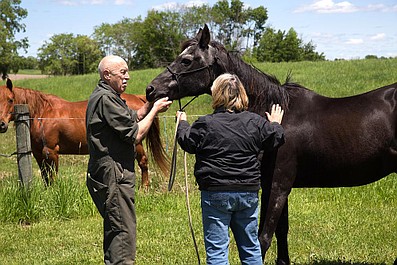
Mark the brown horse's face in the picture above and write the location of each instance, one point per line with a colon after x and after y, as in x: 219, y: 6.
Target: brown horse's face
x: 7, y: 99
x: 191, y: 74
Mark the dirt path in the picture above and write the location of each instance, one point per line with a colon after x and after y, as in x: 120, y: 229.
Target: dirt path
x: 21, y: 76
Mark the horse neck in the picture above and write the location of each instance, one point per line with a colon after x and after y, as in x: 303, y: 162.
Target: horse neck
x: 262, y: 89
x: 36, y: 100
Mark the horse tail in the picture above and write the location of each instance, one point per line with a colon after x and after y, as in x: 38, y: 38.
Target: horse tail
x: 154, y: 144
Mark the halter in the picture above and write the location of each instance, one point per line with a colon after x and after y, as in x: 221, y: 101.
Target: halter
x: 176, y: 77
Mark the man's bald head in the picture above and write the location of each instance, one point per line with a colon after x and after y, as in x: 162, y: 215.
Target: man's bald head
x: 109, y: 63
x: 114, y: 71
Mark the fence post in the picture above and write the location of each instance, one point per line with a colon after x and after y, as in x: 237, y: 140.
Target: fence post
x: 24, y: 148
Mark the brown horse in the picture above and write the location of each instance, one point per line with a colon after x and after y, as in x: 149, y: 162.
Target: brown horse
x: 330, y: 142
x: 57, y: 127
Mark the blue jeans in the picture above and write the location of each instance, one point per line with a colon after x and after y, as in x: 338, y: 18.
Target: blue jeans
x: 239, y: 211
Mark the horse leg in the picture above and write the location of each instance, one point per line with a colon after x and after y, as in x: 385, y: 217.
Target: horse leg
x: 49, y: 164
x: 276, y: 186
x: 275, y: 209
x: 142, y: 160
x: 40, y: 162
x: 282, y: 237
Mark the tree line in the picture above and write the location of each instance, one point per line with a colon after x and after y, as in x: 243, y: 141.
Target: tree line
x: 153, y: 41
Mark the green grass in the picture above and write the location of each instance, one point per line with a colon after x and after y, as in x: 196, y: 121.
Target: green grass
x: 29, y: 72
x: 327, y: 226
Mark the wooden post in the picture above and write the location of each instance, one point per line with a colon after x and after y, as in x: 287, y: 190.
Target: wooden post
x: 24, y: 148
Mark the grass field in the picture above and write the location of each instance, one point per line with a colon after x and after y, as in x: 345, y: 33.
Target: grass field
x: 59, y: 225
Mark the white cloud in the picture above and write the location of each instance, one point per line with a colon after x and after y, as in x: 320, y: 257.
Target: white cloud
x: 175, y: 5
x: 380, y: 36
x: 354, y: 41
x: 328, y: 6
x: 380, y: 8
x: 123, y: 2
x: 92, y: 2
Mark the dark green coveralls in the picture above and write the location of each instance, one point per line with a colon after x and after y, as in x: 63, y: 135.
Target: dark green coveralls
x: 111, y: 131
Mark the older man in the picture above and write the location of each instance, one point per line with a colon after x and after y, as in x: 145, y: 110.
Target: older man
x: 112, y: 131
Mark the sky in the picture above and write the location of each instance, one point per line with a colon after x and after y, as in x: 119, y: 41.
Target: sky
x: 348, y: 29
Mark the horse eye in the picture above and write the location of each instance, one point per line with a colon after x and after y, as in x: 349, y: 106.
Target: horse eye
x: 10, y: 101
x: 186, y: 62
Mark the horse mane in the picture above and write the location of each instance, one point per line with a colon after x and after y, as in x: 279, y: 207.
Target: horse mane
x: 36, y: 100
x: 263, y: 90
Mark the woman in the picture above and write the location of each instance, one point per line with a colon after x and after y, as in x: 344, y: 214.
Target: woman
x: 226, y: 144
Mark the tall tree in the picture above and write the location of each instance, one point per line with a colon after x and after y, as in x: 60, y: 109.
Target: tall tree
x: 65, y: 54
x: 10, y: 23
x: 256, y: 24
x: 158, y: 40
x: 279, y: 46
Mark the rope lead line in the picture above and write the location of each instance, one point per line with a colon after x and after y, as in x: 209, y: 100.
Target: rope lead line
x: 188, y: 210
x: 174, y: 155
x: 171, y: 182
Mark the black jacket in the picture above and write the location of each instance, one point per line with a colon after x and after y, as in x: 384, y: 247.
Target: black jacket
x: 226, y: 145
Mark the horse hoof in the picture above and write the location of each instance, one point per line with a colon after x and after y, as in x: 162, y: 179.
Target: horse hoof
x: 283, y: 262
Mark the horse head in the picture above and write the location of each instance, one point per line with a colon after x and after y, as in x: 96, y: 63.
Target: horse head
x: 192, y: 72
x: 7, y: 98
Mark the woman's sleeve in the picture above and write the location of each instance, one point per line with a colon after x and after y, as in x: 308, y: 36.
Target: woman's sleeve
x: 189, y: 137
x: 272, y: 135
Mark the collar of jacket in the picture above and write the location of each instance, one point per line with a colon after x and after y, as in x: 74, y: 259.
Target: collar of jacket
x: 105, y: 86
x: 223, y: 109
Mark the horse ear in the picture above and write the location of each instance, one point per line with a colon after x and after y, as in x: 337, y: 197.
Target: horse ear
x: 198, y: 35
x: 9, y: 84
x: 205, y: 37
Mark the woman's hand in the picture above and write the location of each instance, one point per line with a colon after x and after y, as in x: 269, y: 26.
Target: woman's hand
x: 182, y: 115
x: 276, y: 114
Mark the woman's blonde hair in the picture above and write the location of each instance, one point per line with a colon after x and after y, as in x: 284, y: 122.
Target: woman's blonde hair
x: 228, y: 92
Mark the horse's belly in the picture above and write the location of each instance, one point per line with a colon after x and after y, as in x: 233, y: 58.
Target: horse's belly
x: 332, y: 175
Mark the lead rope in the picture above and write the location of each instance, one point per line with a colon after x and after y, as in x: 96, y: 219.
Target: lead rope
x: 172, y: 178
x: 188, y: 211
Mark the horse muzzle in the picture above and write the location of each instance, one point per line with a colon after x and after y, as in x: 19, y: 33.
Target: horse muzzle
x: 152, y: 94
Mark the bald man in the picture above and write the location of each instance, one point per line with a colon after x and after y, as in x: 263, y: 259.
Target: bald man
x: 112, y: 132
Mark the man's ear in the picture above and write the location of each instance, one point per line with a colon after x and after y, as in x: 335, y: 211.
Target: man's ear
x: 106, y: 74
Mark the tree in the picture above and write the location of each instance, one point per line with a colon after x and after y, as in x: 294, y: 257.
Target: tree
x: 65, y: 54
x: 285, y: 47
x: 10, y: 23
x: 87, y: 55
x: 256, y: 24
x: 159, y: 38
x: 230, y: 21
x: 119, y: 39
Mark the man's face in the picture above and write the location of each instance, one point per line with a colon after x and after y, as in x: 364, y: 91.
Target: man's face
x: 118, y: 76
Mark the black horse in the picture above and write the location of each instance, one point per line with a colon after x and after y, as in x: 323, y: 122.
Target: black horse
x: 330, y: 142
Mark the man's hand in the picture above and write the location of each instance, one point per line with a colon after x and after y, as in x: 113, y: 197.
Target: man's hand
x: 162, y: 105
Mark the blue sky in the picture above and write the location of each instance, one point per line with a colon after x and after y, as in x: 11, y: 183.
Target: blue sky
x: 340, y: 29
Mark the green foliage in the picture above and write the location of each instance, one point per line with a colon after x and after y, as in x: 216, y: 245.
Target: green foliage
x: 119, y: 39
x: 160, y: 37
x: 279, y: 46
x: 155, y: 40
x: 65, y: 54
x: 10, y: 24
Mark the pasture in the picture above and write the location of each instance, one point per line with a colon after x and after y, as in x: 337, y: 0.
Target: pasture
x: 59, y: 225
